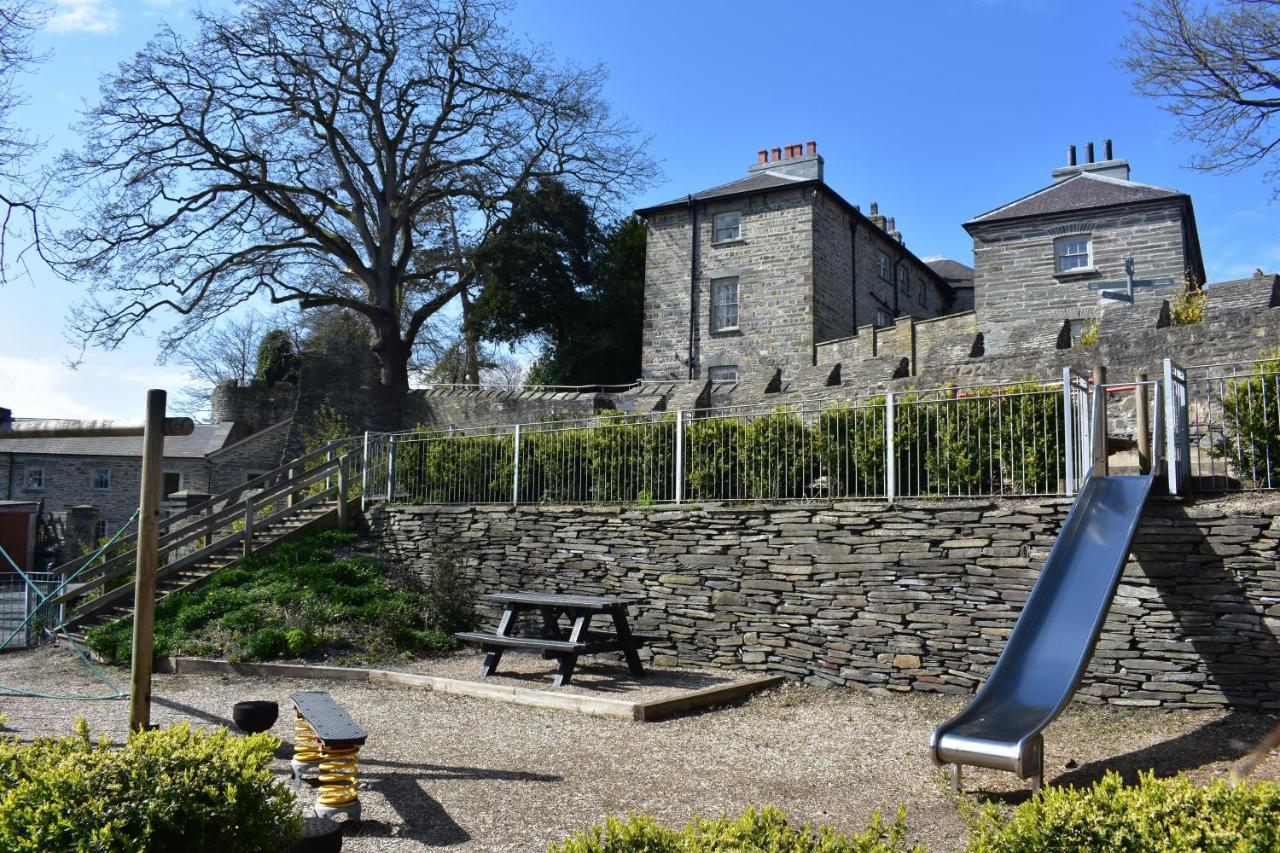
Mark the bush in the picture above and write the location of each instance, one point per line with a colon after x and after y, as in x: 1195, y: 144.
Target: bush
x: 761, y: 830
x: 1251, y: 417
x: 296, y: 600
x: 1188, y: 306
x: 170, y: 789
x: 1154, y: 815
x: 450, y: 594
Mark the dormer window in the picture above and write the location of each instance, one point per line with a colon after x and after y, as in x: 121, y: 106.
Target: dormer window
x: 1071, y: 253
x: 728, y: 226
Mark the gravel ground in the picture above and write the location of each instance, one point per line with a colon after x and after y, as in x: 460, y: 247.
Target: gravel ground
x: 471, y: 774
x: 604, y: 676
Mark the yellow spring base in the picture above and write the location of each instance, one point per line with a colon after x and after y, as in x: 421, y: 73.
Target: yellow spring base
x: 338, y: 772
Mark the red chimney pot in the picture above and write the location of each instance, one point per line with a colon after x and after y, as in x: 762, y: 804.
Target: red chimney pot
x: 777, y: 154
x: 763, y: 154
x: 813, y: 147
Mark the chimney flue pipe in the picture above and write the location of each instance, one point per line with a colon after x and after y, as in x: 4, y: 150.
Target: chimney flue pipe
x: 1106, y: 149
x: 763, y: 154
x: 813, y: 147
x: 1088, y: 152
x: 1071, y: 155
x: 777, y: 154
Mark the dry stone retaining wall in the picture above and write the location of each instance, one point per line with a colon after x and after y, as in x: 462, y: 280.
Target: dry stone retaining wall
x: 911, y: 597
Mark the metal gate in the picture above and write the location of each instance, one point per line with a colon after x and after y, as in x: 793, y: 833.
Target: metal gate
x: 18, y: 601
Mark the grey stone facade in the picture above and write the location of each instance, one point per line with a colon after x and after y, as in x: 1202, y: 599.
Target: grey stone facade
x: 809, y: 268
x: 915, y: 596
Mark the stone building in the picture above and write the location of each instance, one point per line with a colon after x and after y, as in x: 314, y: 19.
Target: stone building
x: 1061, y: 257
x: 88, y: 488
x: 748, y: 277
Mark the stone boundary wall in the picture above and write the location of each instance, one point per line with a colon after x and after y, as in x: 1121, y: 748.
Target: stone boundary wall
x: 917, y: 596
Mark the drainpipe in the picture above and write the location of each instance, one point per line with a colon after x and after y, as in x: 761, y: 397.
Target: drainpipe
x: 853, y: 268
x: 896, y: 264
x: 693, y: 284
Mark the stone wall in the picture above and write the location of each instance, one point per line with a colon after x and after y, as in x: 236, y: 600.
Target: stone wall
x: 917, y: 596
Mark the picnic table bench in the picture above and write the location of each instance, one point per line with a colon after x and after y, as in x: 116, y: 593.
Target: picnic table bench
x: 555, y: 641
x: 325, y: 737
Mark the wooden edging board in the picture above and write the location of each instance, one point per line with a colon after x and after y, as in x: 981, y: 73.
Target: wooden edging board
x: 617, y: 708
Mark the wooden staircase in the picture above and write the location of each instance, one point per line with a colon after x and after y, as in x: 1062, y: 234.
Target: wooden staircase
x: 308, y: 493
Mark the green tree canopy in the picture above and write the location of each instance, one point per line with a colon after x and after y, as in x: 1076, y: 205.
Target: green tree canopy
x: 554, y: 274
x: 277, y: 358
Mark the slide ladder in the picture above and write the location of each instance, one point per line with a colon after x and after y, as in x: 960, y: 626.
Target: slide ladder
x: 1046, y: 655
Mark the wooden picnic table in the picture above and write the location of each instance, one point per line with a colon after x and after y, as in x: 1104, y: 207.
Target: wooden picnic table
x: 554, y: 639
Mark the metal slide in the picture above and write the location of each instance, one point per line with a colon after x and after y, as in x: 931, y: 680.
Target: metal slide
x: 1055, y: 634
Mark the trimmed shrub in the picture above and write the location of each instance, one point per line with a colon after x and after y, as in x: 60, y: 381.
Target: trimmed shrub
x: 1154, y: 815
x: 764, y: 830
x: 171, y: 789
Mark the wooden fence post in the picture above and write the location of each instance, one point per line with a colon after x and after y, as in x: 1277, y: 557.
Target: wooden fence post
x: 144, y: 586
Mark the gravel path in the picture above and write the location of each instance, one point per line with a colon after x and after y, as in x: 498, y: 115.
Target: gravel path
x: 470, y: 774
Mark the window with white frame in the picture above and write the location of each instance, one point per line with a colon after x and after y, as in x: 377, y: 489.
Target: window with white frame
x: 35, y: 478
x: 724, y: 304
x: 728, y: 226
x: 172, y: 482
x: 102, y: 479
x: 882, y: 265
x: 1071, y: 253
x: 723, y: 373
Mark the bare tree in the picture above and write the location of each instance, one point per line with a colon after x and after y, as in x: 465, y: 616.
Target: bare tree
x: 221, y: 352
x: 1218, y: 70
x: 19, y: 21
x: 314, y: 152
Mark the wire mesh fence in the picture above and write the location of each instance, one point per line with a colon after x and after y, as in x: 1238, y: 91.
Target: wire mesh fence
x: 1233, y: 425
x: 18, y: 601
x: 999, y: 440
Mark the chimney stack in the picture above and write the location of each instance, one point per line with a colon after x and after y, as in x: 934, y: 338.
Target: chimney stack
x: 876, y: 218
x: 791, y: 160
x: 1108, y: 166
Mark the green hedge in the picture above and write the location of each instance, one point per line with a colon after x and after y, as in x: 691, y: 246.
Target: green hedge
x: 170, y: 789
x: 765, y: 830
x: 1251, y: 417
x: 1156, y: 815
x: 990, y: 440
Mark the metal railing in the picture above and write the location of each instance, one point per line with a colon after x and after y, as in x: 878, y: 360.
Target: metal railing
x: 18, y: 601
x: 1026, y: 439
x: 1233, y: 425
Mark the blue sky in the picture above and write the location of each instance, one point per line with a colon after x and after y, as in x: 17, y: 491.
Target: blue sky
x: 937, y: 110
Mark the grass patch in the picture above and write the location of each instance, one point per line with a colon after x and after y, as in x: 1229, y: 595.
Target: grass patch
x: 306, y: 599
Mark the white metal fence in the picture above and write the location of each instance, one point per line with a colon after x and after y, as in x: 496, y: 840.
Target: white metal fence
x: 1026, y: 439
x: 1233, y: 425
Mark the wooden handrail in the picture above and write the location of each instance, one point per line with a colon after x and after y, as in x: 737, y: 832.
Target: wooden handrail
x: 122, y: 564
x: 186, y: 560
x: 235, y: 491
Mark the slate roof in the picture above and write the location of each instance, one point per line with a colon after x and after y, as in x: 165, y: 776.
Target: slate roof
x: 204, y: 440
x: 954, y: 272
x: 752, y: 183
x: 1084, y: 191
